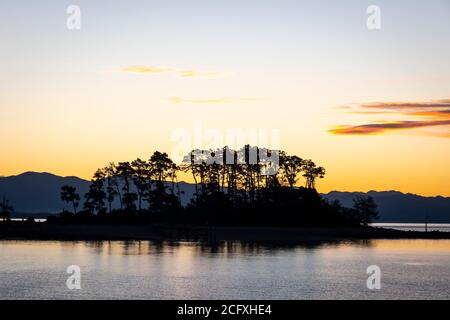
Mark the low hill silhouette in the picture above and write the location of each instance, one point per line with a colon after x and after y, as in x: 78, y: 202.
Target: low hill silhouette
x: 38, y: 193
x: 33, y: 192
x: 395, y: 206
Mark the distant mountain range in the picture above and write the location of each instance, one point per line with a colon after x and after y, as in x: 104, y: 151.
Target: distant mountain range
x: 33, y: 192
x: 395, y: 206
x: 38, y: 194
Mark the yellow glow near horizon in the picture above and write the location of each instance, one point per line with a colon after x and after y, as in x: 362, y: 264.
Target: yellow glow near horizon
x: 77, y: 139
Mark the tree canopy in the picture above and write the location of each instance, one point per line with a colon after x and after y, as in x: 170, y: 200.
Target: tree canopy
x: 249, y: 186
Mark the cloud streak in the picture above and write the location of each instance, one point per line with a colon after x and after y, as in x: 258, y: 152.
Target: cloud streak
x: 184, y: 73
x: 407, y: 105
x: 377, y: 128
x: 435, y: 113
x: 222, y: 100
x: 444, y: 114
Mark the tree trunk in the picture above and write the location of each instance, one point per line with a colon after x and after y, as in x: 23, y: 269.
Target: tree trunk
x: 120, y: 197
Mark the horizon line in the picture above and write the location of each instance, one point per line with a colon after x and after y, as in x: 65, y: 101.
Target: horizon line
x: 182, y: 181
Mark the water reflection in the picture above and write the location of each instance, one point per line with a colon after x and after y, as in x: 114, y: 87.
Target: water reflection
x: 206, y: 248
x: 225, y: 270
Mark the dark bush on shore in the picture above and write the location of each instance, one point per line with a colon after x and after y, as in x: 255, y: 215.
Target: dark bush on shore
x: 30, y: 220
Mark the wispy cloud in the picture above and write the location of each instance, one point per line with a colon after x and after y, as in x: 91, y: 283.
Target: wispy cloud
x: 445, y: 103
x: 434, y: 113
x: 221, y: 100
x: 376, y: 128
x: 185, y: 73
x: 444, y: 114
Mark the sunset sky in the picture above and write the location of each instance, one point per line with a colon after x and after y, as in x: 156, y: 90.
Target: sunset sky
x: 371, y: 106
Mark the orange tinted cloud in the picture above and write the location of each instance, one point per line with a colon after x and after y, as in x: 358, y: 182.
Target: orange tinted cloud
x: 185, y: 73
x: 200, y: 100
x: 444, y: 114
x: 223, y: 100
x: 435, y: 104
x: 377, y: 128
x: 431, y: 114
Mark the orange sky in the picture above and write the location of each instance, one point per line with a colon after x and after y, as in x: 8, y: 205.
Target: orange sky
x: 123, y: 85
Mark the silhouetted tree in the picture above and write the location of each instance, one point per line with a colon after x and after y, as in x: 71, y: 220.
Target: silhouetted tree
x: 291, y: 167
x: 173, y: 179
x: 5, y: 209
x: 125, y: 172
x: 69, y: 195
x: 162, y: 168
x: 188, y: 165
x: 366, y: 209
x: 141, y: 178
x: 95, y: 197
x: 112, y: 185
x: 312, y: 172
x: 161, y: 165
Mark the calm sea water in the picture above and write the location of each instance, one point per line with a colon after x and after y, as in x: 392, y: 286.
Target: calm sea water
x: 411, y: 269
x: 442, y: 227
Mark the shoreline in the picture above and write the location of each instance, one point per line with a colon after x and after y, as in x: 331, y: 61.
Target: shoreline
x: 89, y: 232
